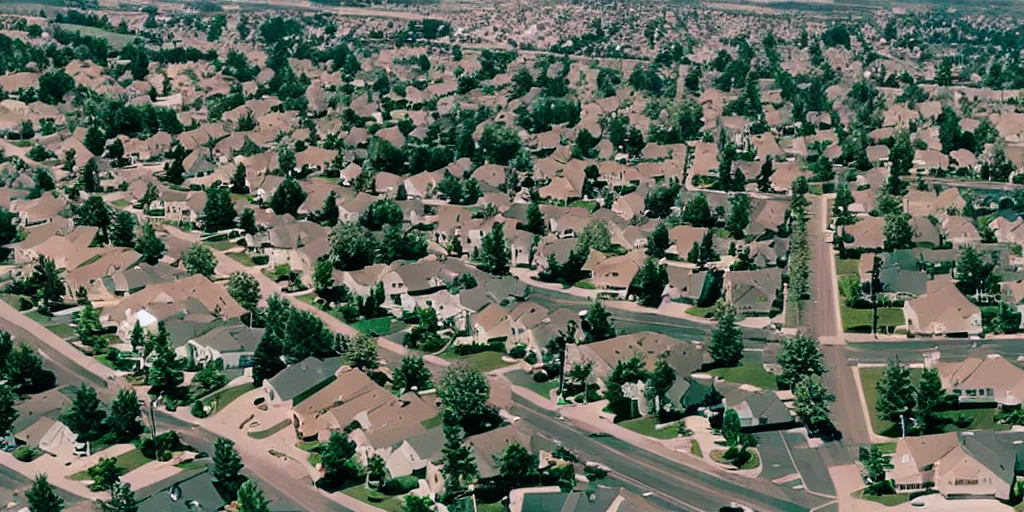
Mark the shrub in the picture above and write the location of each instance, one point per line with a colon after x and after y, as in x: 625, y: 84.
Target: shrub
x: 531, y: 357
x: 518, y: 351
x: 198, y: 410
x: 476, y: 348
x: 541, y: 376
x: 27, y: 454
x: 399, y: 486
x: 260, y: 259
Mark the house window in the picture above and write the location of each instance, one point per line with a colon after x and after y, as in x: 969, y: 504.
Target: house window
x: 396, y: 299
x: 971, y: 392
x: 989, y: 392
x: 957, y: 392
x: 965, y: 481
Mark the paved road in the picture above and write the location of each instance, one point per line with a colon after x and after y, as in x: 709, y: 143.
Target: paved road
x: 631, y: 321
x: 287, y: 493
x: 682, y: 486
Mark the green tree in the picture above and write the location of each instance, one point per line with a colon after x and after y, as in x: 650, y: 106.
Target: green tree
x: 812, y: 402
x: 239, y: 185
x: 463, y: 391
x: 219, y: 212
x: 245, y: 289
x: 164, y: 375
x: 625, y: 371
x: 7, y: 411
x: 649, y: 283
x: 412, y: 373
x: 352, y: 246
x: 895, y: 392
x: 323, y: 277
x: 535, y: 222
x: 199, y: 259
x: 458, y: 465
x: 597, y: 236
x: 381, y: 212
x: 267, y: 359
x: 413, y: 503
x: 248, y: 221
x: 89, y: 179
x: 42, y: 497
x: 517, y: 467
x: 123, y: 419
x: 84, y: 417
x: 899, y: 234
x: 739, y: 215
x: 495, y: 256
x: 731, y: 427
x: 123, y: 233
x: 974, y: 274
x: 660, y: 382
x: 288, y: 197
x: 361, y: 352
x: 698, y: 212
x: 54, y: 85
x: 338, y: 462
x: 944, y: 74
x: 89, y: 327
x: 48, y: 284
x: 726, y: 345
x: 499, y: 144
x: 875, y: 463
x: 658, y: 241
x: 95, y: 141
x: 328, y: 213
x: 227, y: 468
x: 251, y: 498
x: 800, y: 356
x: 43, y: 182
x: 598, y: 324
x: 149, y: 245
x: 25, y: 372
x: 122, y: 499
x: 8, y: 226
x: 931, y: 398
x: 105, y: 474
x: 95, y: 212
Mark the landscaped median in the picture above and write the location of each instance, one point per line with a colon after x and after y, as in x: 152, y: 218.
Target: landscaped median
x: 734, y: 458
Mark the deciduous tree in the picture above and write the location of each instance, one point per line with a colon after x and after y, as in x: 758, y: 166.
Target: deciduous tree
x: 726, y: 345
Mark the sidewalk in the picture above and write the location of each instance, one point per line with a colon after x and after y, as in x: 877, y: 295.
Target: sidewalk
x: 55, y: 343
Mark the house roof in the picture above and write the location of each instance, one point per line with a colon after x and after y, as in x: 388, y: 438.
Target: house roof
x: 179, y: 496
x: 231, y: 338
x: 685, y: 357
x: 302, y: 376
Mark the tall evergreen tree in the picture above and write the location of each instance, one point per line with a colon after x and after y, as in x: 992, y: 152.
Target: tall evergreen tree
x: 598, y: 324
x: 122, y: 499
x: 495, y: 256
x: 42, y: 497
x: 238, y: 180
x: 931, y: 398
x: 726, y: 346
x: 164, y: 375
x: 219, y: 212
x: 895, y: 392
x: 251, y: 498
x: 123, y: 233
x: 227, y: 468
x: 123, y: 420
x: 458, y: 463
x: 84, y: 417
x: 150, y: 246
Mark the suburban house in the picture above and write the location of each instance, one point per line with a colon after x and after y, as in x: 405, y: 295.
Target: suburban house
x: 1006, y: 230
x: 192, y: 295
x: 233, y: 344
x: 992, y: 379
x: 300, y: 380
x: 943, y: 311
x: 956, y: 464
x: 754, y: 292
x: 760, y: 410
x: 684, y: 356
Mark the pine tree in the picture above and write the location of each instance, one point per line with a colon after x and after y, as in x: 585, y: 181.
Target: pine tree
x: 726, y: 346
x: 123, y: 233
x: 598, y: 324
x: 123, y: 420
x: 266, y: 359
x: 658, y: 241
x: 535, y: 220
x: 411, y: 373
x: 7, y: 411
x: 457, y: 460
x: 89, y: 179
x: 931, y: 398
x: 164, y: 374
x: 251, y: 498
x: 811, y: 401
x: 238, y: 180
x: 122, y: 499
x: 895, y: 392
x: 219, y: 212
x: 84, y: 417
x: 227, y: 467
x: 42, y: 497
x: 495, y: 256
x: 150, y: 246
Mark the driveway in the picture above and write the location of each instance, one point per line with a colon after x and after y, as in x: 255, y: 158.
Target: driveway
x: 774, y: 457
x: 810, y: 463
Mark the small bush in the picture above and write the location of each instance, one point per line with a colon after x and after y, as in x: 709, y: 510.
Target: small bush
x: 531, y: 357
x: 476, y: 348
x: 518, y: 351
x: 198, y: 410
x: 541, y: 376
x: 260, y: 259
x: 27, y: 454
x: 399, y: 486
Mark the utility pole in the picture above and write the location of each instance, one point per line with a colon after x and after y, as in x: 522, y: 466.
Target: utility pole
x: 875, y: 270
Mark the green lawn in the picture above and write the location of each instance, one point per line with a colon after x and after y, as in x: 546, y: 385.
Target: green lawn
x: 645, y: 427
x: 432, y: 422
x: 388, y: 503
x: 981, y: 419
x: 242, y: 258
x: 695, y: 448
x: 117, y: 41
x: 490, y: 507
x: 127, y: 461
x: 38, y: 317
x: 889, y: 500
x: 374, y: 326
x: 227, y: 395
x: 847, y: 267
x: 701, y: 312
x: 192, y: 464
x: 886, y: 447
x: 121, y: 203
x: 590, y: 205
x: 859, y: 320
x: 222, y: 245
x: 752, y: 373
x: 263, y: 434
x: 62, y: 330
x: 483, y: 361
x: 524, y: 379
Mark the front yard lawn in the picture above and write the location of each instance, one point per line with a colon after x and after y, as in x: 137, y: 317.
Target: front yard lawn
x: 222, y: 245
x: 374, y: 326
x: 753, y: 462
x: 374, y: 498
x: 242, y: 258
x: 889, y: 500
x: 483, y: 361
x: 981, y: 418
x: 128, y: 462
x: 859, y: 320
x: 227, y: 395
x: 645, y: 427
x: 701, y: 312
x: 524, y: 379
x: 847, y: 267
x: 750, y: 372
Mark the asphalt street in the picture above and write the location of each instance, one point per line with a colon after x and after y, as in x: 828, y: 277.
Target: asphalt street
x: 682, y: 486
x: 631, y: 321
x: 66, y: 370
